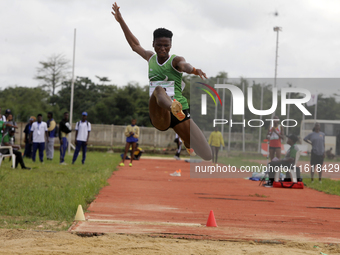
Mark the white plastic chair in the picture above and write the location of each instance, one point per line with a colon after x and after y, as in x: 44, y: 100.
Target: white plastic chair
x: 292, y: 170
x: 11, y: 154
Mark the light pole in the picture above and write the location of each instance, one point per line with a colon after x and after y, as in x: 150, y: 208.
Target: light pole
x: 277, y: 30
x: 72, y: 89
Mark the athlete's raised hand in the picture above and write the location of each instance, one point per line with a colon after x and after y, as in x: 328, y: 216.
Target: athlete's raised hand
x: 199, y: 72
x: 116, y: 12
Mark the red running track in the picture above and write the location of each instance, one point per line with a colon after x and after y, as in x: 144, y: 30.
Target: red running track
x: 145, y: 199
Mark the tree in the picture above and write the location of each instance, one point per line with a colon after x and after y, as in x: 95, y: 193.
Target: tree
x: 25, y: 102
x: 103, y: 79
x: 53, y: 72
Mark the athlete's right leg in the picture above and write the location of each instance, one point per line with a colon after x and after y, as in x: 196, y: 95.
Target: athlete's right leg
x: 216, y: 153
x: 213, y: 154
x: 159, y: 109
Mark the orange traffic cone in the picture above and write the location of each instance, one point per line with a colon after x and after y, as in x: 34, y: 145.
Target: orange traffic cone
x: 211, y: 220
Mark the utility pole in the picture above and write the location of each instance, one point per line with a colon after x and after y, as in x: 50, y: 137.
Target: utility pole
x: 277, y: 30
x: 72, y: 89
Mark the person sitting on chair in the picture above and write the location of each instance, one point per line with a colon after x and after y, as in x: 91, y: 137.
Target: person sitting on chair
x: 138, y: 152
x: 287, y: 162
x: 6, y: 141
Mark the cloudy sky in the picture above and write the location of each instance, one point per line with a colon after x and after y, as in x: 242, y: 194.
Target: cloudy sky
x: 217, y: 35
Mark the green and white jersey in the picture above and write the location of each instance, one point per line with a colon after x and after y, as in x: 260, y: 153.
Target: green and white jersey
x: 168, y: 77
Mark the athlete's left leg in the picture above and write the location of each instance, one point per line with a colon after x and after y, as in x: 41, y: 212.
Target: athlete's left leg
x: 193, y: 137
x: 133, y: 145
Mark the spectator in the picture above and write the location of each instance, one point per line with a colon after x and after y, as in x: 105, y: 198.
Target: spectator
x: 132, y: 134
x: 337, y: 149
x: 329, y: 154
x: 287, y: 162
x: 215, y: 141
x: 51, y: 129
x: 28, y: 144
x: 178, y: 141
x: 83, y: 129
x: 38, y: 133
x: 317, y: 140
x: 64, y: 130
x: 2, y: 117
x: 2, y: 126
x: 274, y: 135
x: 6, y: 142
x: 138, y: 152
x: 9, y: 122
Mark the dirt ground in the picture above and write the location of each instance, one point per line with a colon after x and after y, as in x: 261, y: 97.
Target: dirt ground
x: 31, y: 242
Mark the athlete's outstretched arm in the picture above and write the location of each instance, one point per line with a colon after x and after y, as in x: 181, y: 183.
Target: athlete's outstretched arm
x: 131, y: 39
x: 181, y: 65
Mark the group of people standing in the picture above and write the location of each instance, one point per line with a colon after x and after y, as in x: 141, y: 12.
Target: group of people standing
x: 41, y: 135
x: 316, y: 139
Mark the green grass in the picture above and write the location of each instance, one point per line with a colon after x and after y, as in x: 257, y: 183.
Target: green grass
x: 327, y: 186
x: 51, y: 192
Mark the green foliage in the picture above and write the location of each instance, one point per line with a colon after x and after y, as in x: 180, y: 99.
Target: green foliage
x: 25, y: 102
x: 103, y: 79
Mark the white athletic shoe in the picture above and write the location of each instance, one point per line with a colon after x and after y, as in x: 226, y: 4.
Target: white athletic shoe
x: 176, y: 173
x: 177, y: 158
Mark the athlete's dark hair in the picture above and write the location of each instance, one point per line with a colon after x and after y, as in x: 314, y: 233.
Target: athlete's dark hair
x: 162, y: 32
x: 51, y: 113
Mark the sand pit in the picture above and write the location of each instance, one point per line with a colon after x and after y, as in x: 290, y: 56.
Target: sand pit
x: 30, y: 242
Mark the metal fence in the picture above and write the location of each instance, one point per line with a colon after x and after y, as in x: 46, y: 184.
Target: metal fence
x: 112, y: 135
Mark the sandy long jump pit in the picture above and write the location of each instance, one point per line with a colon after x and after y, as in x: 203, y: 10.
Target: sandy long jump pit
x: 145, y: 199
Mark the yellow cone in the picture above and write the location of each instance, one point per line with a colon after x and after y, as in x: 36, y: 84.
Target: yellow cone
x: 80, y: 213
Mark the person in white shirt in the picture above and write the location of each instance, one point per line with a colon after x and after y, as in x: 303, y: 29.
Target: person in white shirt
x: 2, y: 117
x: 37, y: 137
x: 83, y: 129
x: 7, y: 112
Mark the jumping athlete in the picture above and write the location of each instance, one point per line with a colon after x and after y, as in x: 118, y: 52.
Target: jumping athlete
x: 165, y: 75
